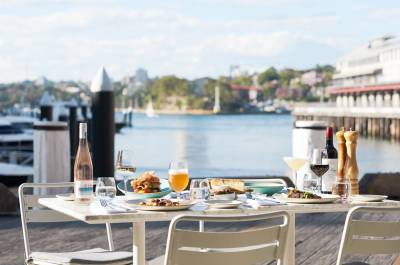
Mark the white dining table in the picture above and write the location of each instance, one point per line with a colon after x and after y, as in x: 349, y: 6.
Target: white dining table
x: 139, y: 218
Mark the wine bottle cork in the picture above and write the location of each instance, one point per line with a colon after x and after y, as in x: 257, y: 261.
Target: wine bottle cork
x: 351, y: 167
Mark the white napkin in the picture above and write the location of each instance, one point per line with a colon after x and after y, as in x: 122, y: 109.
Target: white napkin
x: 258, y: 202
x: 97, y: 208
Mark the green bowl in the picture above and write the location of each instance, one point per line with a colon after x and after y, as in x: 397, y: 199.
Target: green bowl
x: 265, y: 188
x: 165, y: 190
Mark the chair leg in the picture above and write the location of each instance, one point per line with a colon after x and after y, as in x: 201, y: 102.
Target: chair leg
x: 289, y: 256
x: 109, y: 237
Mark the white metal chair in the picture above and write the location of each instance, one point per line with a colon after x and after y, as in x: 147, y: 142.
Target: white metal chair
x: 239, y: 248
x: 32, y: 212
x: 370, y: 237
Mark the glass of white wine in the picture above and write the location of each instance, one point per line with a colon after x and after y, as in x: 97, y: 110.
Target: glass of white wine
x: 125, y: 167
x: 294, y: 163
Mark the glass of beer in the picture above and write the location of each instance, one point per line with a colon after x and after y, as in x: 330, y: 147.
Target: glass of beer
x: 178, y: 176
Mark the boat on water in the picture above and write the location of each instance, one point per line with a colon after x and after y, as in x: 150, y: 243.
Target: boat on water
x: 16, y: 149
x: 150, y: 110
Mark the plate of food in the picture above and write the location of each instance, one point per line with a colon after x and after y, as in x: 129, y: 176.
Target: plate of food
x: 226, y: 189
x: 268, y: 188
x: 301, y: 197
x: 161, y: 205
x: 368, y: 198
x: 223, y: 204
x: 146, y: 186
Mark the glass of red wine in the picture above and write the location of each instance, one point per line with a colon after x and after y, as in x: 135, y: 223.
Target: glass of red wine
x: 319, y: 166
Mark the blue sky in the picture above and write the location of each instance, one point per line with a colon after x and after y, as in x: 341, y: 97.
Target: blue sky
x: 70, y: 39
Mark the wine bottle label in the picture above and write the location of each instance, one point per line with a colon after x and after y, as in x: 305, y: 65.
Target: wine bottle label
x: 83, y: 189
x: 330, y: 176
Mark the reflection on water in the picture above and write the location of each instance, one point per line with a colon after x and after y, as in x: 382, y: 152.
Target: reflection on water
x: 231, y: 145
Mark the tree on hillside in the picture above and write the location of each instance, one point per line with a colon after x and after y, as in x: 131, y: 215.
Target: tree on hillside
x: 243, y: 80
x: 286, y: 75
x: 268, y: 75
x: 168, y: 86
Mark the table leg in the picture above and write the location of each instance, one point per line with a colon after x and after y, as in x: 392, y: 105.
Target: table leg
x: 139, y: 244
x: 290, y: 252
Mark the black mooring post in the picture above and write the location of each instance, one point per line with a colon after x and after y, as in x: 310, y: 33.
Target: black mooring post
x: 84, y: 112
x: 130, y: 118
x: 73, y: 135
x: 46, y: 113
x: 103, y: 125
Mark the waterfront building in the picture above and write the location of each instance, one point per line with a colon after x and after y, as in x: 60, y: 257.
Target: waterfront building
x: 246, y: 93
x: 311, y: 78
x: 369, y: 76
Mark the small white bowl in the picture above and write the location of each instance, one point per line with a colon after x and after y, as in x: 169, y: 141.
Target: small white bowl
x: 229, y: 196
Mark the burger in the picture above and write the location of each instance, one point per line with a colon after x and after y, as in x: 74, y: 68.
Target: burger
x: 148, y: 182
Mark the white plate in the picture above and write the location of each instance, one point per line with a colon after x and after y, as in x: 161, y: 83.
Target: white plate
x: 183, y: 205
x: 326, y: 198
x: 223, y: 204
x: 66, y: 196
x: 368, y: 198
x: 229, y: 196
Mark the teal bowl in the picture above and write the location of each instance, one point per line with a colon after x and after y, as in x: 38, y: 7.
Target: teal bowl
x: 265, y: 188
x: 165, y: 190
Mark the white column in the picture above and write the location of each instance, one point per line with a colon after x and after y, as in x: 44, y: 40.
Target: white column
x: 345, y: 101
x: 371, y: 100
x: 358, y: 101
x: 364, y: 100
x: 350, y: 101
x: 339, y: 101
x: 217, y: 105
x: 396, y: 100
x: 379, y: 100
x: 387, y: 100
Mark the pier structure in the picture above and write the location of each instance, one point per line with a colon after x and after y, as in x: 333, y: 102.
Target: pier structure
x: 365, y: 91
x: 375, y: 122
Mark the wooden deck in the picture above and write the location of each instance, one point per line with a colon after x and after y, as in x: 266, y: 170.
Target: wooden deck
x: 317, y: 239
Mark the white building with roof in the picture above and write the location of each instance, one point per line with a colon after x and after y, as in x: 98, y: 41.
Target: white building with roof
x: 369, y: 75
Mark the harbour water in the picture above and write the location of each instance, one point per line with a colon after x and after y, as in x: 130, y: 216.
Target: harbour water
x: 231, y: 145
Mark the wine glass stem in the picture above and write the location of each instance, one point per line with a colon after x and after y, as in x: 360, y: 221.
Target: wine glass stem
x: 295, y: 178
x: 319, y: 185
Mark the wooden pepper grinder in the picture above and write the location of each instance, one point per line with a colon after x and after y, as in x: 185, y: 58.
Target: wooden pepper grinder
x: 351, y: 167
x: 338, y: 188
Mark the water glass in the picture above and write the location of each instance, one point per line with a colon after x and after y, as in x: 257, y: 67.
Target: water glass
x: 105, y: 188
x: 343, y: 189
x: 199, y: 190
x: 310, y: 183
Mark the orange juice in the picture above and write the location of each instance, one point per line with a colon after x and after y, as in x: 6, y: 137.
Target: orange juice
x: 178, y: 180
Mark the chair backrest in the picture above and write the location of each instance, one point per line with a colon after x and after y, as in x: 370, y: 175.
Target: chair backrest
x: 32, y: 212
x: 239, y: 248
x: 370, y: 237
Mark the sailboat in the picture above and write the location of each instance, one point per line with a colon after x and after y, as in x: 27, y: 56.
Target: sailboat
x: 150, y: 110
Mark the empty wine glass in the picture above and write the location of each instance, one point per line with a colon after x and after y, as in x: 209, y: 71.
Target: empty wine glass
x: 125, y: 167
x: 105, y: 188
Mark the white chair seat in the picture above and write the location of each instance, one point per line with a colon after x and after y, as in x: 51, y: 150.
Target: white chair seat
x: 157, y: 261
x: 90, y: 256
